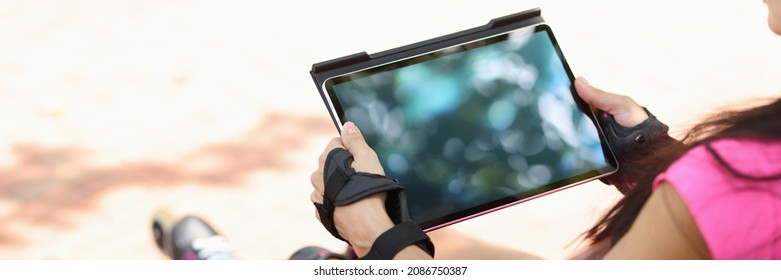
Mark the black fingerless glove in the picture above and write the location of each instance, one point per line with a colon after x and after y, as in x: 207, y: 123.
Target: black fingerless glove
x: 343, y: 186
x: 635, y: 148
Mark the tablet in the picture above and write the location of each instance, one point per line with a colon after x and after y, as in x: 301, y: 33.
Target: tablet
x: 473, y: 121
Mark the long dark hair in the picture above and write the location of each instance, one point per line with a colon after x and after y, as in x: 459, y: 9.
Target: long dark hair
x: 758, y: 123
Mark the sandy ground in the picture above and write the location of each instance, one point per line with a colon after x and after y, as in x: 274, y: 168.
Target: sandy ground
x: 110, y: 110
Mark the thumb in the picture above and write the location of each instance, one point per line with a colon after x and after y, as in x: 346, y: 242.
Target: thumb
x: 352, y: 139
x: 625, y: 110
x: 598, y: 98
x: 365, y: 158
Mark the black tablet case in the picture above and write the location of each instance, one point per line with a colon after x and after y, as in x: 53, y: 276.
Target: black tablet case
x: 322, y: 71
x: 331, y: 68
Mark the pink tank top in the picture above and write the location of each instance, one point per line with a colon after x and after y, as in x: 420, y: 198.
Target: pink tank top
x: 739, y: 218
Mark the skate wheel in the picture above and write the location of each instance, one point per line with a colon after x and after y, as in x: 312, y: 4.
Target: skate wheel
x: 162, y: 223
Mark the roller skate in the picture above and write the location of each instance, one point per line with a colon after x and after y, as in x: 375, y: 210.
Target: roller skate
x: 188, y: 238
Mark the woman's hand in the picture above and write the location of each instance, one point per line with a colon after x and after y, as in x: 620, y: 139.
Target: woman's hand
x: 635, y: 136
x: 623, y: 108
x: 363, y: 221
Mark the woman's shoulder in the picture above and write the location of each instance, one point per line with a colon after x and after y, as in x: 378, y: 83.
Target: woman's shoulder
x: 735, y: 182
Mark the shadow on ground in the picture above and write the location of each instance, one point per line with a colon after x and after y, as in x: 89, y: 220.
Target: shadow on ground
x: 47, y: 184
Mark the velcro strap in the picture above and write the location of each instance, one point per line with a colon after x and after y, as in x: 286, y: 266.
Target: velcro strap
x: 391, y: 242
x: 631, y: 145
x: 344, y: 186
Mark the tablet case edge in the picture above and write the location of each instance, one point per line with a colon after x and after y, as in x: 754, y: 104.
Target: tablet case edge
x: 322, y: 70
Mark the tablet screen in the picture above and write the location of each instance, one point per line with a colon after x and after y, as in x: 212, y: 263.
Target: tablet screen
x: 474, y: 127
